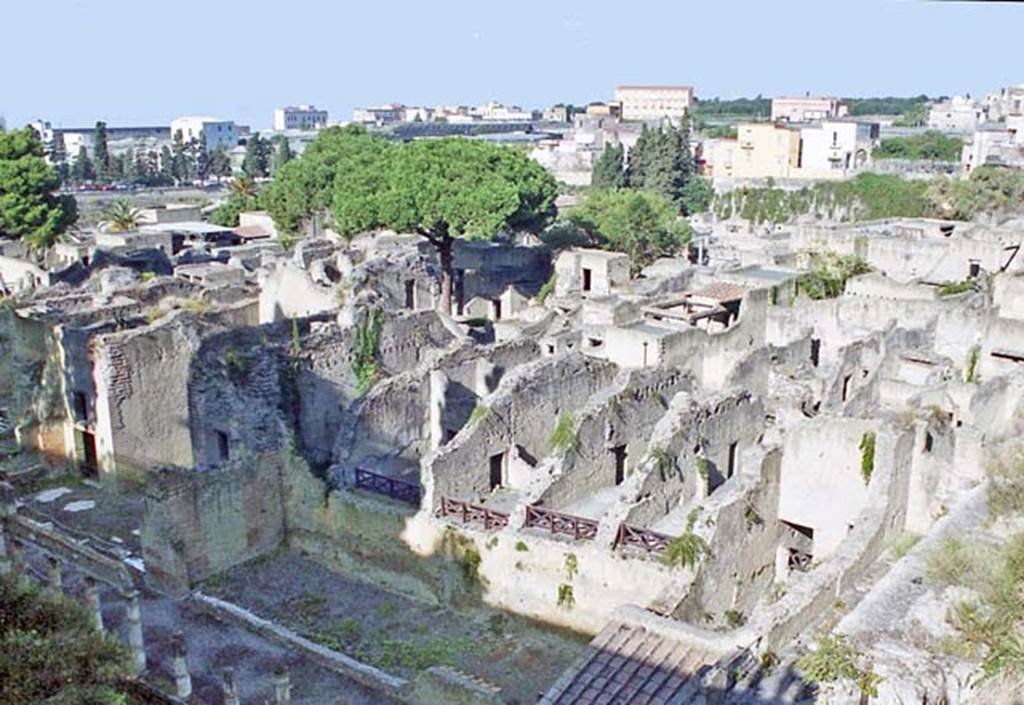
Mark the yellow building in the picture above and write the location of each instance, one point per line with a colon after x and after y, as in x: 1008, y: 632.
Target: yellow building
x: 766, y: 150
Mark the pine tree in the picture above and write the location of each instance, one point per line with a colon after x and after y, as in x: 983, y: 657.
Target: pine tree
x: 662, y: 161
x: 609, y: 170
x: 115, y: 171
x: 82, y: 170
x: 133, y: 173
x: 100, y: 153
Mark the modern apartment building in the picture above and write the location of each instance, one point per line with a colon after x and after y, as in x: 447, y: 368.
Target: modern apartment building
x: 218, y: 133
x: 808, y: 108
x: 302, y: 117
x: 654, y: 102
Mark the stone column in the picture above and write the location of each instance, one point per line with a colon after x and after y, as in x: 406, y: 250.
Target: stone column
x: 54, y: 579
x: 135, y: 642
x: 282, y: 686
x: 230, y: 691
x: 179, y: 666
x: 92, y: 601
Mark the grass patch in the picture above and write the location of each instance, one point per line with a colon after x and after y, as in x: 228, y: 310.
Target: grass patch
x: 563, y: 438
x: 902, y: 545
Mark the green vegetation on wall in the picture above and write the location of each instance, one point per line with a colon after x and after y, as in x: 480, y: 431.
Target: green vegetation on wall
x: 931, y: 145
x: 364, y: 357
x: 829, y: 273
x: 867, y: 456
x: 563, y: 438
x: 835, y: 660
x: 867, y: 196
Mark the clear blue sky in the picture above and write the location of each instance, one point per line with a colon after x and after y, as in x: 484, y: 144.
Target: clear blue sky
x: 146, y: 62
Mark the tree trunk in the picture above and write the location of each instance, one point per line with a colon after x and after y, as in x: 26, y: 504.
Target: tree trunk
x: 444, y: 248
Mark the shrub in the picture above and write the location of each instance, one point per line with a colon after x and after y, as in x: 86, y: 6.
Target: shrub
x: 829, y: 274
x: 867, y: 456
x: 50, y: 651
x: 664, y: 461
x: 834, y: 661
x: 954, y: 288
x: 972, y: 364
x: 565, y: 598
x: 686, y: 550
x: 572, y: 566
x: 479, y: 413
x: 956, y: 562
x: 1006, y: 484
x: 547, y: 289
x: 522, y: 547
x: 563, y: 438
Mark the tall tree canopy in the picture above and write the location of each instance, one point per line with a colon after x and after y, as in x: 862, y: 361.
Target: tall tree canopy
x: 610, y: 168
x: 100, y: 152
x: 661, y: 161
x: 444, y: 190
x: 643, y: 224
x: 29, y: 208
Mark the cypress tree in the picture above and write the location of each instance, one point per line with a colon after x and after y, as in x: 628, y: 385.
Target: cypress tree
x: 82, y: 169
x: 166, y: 169
x: 609, y: 169
x: 100, y: 152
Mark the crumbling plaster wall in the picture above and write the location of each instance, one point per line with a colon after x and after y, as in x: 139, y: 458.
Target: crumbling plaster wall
x: 695, y: 428
x: 626, y: 419
x: 142, y: 402
x: 522, y: 412
x: 743, y: 537
x: 197, y: 524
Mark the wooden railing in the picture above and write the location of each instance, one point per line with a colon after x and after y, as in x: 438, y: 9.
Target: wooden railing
x: 472, y: 513
x: 558, y: 523
x: 650, y: 541
x: 388, y: 486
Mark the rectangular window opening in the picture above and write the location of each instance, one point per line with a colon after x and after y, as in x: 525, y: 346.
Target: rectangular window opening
x: 497, y: 470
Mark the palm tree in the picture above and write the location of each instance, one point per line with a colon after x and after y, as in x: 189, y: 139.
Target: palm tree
x: 122, y: 217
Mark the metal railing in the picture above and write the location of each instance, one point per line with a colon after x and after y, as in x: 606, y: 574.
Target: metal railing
x: 390, y: 487
x: 645, y: 539
x: 472, y: 513
x: 558, y: 523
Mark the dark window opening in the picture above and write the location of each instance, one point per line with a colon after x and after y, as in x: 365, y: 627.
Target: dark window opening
x: 595, y: 342
x: 551, y: 349
x: 496, y: 303
x: 81, y: 407
x: 586, y: 279
x: 846, y: 386
x: 89, y: 466
x: 223, y: 445
x: 974, y: 269
x: 460, y: 290
x: 815, y: 351
x: 410, y: 293
x: 928, y: 442
x: 733, y: 457
x: 497, y: 470
x: 799, y: 560
x: 620, y: 463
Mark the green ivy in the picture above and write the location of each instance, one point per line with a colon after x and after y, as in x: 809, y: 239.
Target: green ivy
x: 364, y: 359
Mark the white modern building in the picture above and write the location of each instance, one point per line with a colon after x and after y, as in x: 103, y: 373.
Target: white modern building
x: 995, y: 143
x: 218, y: 133
x: 654, y: 102
x: 959, y: 113
x: 808, y: 108
x: 302, y: 117
x: 379, y: 115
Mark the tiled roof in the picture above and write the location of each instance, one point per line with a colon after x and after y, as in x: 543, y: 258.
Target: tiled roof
x: 721, y: 291
x: 628, y: 664
x: 251, y: 232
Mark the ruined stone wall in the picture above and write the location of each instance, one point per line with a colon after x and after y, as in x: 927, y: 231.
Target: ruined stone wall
x: 142, y: 402
x: 696, y: 428
x: 745, y: 535
x: 626, y: 419
x: 199, y: 523
x: 522, y: 412
x: 841, y: 321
